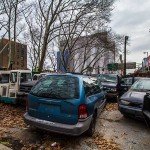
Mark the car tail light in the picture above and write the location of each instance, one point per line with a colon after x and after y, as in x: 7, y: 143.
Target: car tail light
x: 26, y: 104
x: 83, y: 112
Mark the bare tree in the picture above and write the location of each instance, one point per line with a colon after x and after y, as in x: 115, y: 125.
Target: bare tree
x: 65, y: 22
x: 44, y: 20
x: 11, y: 17
x: 85, y: 18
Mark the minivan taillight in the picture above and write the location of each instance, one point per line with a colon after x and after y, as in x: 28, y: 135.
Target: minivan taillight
x: 82, y: 112
x: 26, y: 104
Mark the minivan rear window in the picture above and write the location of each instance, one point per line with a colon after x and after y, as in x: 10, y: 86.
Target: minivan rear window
x: 58, y: 87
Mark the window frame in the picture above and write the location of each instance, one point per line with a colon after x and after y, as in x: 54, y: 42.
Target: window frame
x: 46, y: 79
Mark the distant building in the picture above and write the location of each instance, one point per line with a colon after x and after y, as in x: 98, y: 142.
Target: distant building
x: 20, y: 57
x: 60, y: 67
x: 144, y: 62
x: 87, y: 46
x: 148, y: 60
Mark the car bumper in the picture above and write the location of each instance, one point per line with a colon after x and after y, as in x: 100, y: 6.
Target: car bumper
x: 22, y: 94
x: 131, y: 111
x: 75, y: 130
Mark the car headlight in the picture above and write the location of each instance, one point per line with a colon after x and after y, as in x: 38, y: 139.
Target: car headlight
x: 124, y: 102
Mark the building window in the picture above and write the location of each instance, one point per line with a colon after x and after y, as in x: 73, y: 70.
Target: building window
x: 17, y: 53
x: 22, y: 52
x: 22, y: 64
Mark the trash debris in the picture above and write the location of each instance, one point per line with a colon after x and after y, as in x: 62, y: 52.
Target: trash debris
x: 111, y: 106
x: 11, y: 116
x: 54, y: 144
x: 104, y: 144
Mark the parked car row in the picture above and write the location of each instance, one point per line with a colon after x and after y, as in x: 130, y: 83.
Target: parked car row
x: 70, y: 104
x: 116, y: 85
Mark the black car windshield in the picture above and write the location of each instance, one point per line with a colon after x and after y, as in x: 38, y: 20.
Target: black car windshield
x: 107, y: 78
x: 141, y: 85
x: 59, y: 87
x: 25, y: 77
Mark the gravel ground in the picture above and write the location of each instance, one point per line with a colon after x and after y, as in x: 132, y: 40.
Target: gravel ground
x: 113, y: 132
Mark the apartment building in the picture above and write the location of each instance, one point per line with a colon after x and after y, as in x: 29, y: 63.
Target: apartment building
x: 20, y: 55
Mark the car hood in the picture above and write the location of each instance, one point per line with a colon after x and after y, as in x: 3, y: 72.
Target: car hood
x: 28, y: 83
x: 109, y: 84
x: 133, y: 96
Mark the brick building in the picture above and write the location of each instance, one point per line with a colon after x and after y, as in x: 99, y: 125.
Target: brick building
x: 20, y: 58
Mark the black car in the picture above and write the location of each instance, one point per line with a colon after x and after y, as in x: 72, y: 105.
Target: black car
x: 131, y: 103
x: 111, y: 84
x: 126, y: 83
x: 146, y: 108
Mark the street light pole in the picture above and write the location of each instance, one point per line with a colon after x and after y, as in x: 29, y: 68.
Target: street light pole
x: 125, y: 46
x: 147, y: 59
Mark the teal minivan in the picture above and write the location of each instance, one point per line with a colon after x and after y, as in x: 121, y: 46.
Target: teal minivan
x: 65, y: 103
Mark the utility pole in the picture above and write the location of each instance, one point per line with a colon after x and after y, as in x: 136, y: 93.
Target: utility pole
x: 147, y: 60
x: 114, y: 55
x: 125, y: 45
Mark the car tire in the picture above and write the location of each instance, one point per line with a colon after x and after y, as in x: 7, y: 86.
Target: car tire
x: 91, y: 129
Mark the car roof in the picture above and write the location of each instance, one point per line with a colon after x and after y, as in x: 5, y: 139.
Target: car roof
x: 143, y: 78
x: 70, y: 74
x: 109, y: 74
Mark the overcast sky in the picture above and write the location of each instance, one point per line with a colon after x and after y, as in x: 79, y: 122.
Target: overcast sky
x: 132, y: 18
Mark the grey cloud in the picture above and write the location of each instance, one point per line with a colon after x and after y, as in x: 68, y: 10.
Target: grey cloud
x: 132, y: 18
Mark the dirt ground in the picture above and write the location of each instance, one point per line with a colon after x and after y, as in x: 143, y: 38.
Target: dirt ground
x: 113, y: 132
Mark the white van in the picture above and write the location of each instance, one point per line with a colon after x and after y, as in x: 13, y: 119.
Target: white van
x: 9, y: 91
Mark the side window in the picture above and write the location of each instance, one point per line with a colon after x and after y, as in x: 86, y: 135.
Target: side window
x: 5, y: 78
x: 91, y: 86
x: 87, y: 88
x: 96, y: 89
